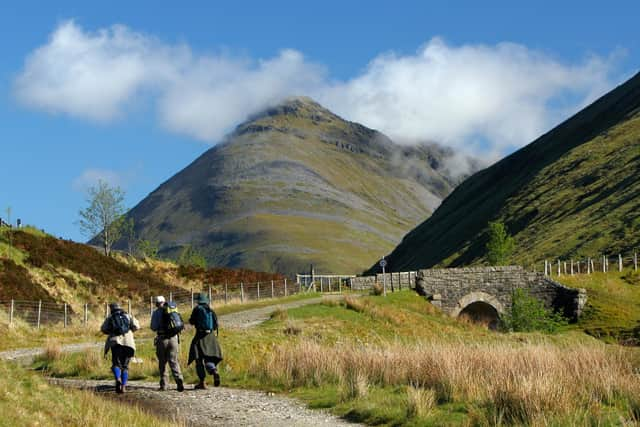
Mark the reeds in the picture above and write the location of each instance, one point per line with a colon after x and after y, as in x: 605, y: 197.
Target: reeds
x: 515, y: 383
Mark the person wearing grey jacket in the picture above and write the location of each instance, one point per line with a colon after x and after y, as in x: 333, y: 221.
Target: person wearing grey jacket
x: 167, y: 347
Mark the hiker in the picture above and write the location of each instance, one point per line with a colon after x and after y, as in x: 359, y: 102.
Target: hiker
x: 120, y: 327
x: 167, y: 323
x: 205, y: 349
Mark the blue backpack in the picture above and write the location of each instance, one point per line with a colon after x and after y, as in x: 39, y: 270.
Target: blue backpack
x: 206, y: 319
x: 119, y: 323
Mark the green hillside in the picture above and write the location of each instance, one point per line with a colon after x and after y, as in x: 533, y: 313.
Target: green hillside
x: 294, y: 186
x: 573, y: 192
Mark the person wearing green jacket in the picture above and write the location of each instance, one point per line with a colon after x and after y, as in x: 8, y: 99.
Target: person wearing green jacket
x: 205, y: 349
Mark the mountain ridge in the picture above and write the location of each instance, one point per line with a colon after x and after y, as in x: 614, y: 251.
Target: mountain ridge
x: 458, y: 227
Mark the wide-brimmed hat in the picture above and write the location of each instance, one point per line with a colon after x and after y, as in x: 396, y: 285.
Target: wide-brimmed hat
x: 114, y: 306
x: 202, y: 298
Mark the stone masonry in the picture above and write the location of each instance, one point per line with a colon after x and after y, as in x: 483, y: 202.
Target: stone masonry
x: 453, y: 289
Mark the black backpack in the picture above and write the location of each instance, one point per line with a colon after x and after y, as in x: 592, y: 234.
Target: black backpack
x: 119, y: 323
x: 172, y: 319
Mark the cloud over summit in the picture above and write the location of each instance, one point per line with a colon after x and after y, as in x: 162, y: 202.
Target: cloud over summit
x: 483, y: 100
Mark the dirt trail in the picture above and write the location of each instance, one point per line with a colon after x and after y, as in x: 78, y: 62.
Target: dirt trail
x: 218, y: 406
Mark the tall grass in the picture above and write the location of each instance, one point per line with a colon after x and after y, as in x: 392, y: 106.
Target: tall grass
x: 513, y: 383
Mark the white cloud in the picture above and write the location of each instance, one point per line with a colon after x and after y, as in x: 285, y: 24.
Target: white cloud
x: 482, y: 100
x: 90, y: 178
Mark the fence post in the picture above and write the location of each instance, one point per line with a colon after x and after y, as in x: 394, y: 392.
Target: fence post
x: 558, y: 267
x: 272, y: 295
x: 258, y: 290
x: 65, y: 314
x: 619, y: 262
x: 572, y: 267
x: 192, y: 298
x: 170, y: 296
x: 209, y: 293
x: 39, y: 312
x: 299, y: 287
x: 129, y: 306
x: 635, y: 261
x: 151, y: 306
x: 241, y: 292
x: 86, y: 314
x: 285, y: 287
x: 321, y: 287
x: 225, y: 291
x: 11, y: 313
x: 604, y: 263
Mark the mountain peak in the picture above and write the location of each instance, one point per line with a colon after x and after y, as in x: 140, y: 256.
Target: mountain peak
x: 296, y: 107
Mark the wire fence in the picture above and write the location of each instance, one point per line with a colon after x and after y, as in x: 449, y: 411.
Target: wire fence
x: 588, y: 265
x: 51, y: 314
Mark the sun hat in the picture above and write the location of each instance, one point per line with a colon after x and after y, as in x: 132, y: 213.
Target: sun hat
x: 203, y: 298
x: 160, y: 299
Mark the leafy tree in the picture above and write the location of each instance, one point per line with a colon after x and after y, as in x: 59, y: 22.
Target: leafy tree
x: 191, y: 256
x: 529, y: 314
x: 103, y: 218
x: 500, y: 245
x: 129, y: 234
x: 148, y: 248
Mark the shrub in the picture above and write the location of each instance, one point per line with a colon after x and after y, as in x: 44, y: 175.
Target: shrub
x: 377, y: 289
x: 529, y: 314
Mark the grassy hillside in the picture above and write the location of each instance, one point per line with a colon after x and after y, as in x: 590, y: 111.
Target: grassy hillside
x: 294, y: 186
x: 36, y: 266
x: 399, y: 361
x: 573, y: 192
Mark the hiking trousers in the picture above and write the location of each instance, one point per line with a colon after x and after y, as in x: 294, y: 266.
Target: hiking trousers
x: 167, y: 350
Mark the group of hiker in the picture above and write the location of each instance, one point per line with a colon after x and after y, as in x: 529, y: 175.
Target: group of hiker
x: 167, y: 323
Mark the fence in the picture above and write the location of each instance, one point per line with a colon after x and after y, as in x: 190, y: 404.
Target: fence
x: 44, y: 313
x: 588, y: 265
x: 324, y: 282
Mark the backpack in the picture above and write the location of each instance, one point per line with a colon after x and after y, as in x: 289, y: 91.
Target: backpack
x: 119, y: 323
x: 172, y: 319
x: 207, y: 320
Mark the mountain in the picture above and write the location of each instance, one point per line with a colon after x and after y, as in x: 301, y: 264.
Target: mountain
x: 296, y: 185
x: 572, y: 192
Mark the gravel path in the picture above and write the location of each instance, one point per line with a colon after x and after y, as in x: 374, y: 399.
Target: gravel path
x: 215, y: 406
x: 218, y: 406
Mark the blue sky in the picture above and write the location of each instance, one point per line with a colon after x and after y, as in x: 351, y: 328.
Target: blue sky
x: 132, y: 92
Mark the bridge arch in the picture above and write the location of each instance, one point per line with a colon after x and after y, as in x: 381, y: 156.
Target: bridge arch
x: 478, y: 300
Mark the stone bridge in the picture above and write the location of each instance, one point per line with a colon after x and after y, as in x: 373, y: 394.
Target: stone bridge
x: 485, y: 293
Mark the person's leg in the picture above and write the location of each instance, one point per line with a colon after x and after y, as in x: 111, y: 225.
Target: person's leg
x: 212, y: 368
x: 202, y: 374
x: 174, y: 364
x: 161, y: 354
x: 127, y: 354
x: 116, y: 366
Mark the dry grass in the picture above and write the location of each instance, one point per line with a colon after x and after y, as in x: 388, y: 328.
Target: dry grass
x: 280, y: 314
x: 420, y: 401
x: 514, y: 383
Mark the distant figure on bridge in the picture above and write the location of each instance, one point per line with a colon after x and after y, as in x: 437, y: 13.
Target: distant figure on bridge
x: 120, y: 326
x: 167, y: 323
x: 205, y: 349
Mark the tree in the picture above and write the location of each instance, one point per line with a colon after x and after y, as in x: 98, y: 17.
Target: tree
x: 191, y: 257
x: 148, y: 248
x: 500, y: 245
x: 103, y: 218
x: 129, y: 234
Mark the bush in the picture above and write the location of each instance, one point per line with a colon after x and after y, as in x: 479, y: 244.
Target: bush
x: 529, y: 314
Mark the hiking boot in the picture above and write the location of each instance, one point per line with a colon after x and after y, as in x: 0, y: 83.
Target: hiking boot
x: 180, y: 384
x: 118, y: 386
x: 123, y: 388
x: 216, y: 379
x: 200, y: 386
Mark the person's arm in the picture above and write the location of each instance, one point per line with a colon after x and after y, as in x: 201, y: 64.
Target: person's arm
x: 194, y: 314
x: 135, y: 325
x: 105, y: 327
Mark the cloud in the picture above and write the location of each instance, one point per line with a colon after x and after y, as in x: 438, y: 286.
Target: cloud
x: 481, y: 100
x: 90, y: 178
